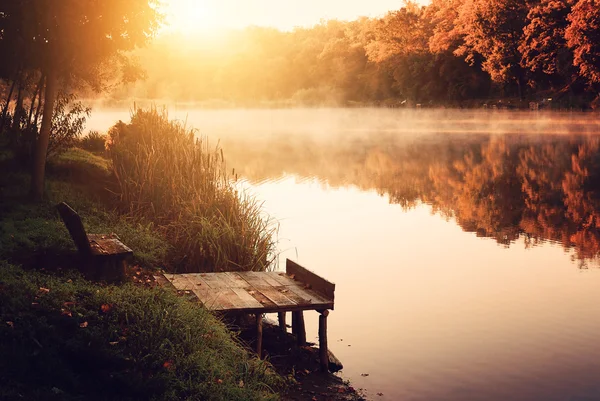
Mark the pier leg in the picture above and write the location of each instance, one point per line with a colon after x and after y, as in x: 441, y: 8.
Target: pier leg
x: 323, y: 355
x: 298, y: 327
x: 259, y: 331
x: 281, y: 316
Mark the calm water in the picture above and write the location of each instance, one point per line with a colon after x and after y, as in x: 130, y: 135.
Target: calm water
x: 465, y: 246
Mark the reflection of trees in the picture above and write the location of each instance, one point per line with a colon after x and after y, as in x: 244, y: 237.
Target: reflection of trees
x: 501, y: 187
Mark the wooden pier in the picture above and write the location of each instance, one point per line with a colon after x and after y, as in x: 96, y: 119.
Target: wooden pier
x: 296, y: 290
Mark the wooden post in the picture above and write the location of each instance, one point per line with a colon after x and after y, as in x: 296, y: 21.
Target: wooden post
x: 259, y: 331
x: 281, y: 316
x: 323, y: 354
x: 298, y: 327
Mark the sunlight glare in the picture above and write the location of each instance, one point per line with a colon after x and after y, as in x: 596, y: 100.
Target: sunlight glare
x: 191, y: 16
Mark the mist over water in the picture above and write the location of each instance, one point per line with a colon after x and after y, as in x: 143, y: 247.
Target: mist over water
x: 464, y: 244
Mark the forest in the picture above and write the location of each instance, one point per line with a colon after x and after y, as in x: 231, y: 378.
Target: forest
x: 464, y: 53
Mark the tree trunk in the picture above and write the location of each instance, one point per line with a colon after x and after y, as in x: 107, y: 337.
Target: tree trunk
x: 5, y: 110
x: 16, y: 127
x: 41, y: 149
x: 36, y: 94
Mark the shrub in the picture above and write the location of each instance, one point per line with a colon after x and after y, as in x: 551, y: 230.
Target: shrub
x: 67, y: 124
x: 93, y: 142
x: 170, y: 175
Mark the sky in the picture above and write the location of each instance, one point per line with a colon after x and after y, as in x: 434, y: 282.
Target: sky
x: 210, y: 15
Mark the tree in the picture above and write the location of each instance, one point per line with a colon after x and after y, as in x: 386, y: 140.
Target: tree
x: 492, y: 29
x: 73, y: 42
x: 544, y: 47
x: 583, y: 36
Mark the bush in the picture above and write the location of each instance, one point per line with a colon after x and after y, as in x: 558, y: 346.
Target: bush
x: 67, y: 124
x: 93, y: 142
x: 63, y: 338
x: 171, y: 176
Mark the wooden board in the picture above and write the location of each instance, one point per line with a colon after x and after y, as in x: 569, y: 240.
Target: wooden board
x: 102, y: 244
x: 251, y: 292
x: 312, y: 280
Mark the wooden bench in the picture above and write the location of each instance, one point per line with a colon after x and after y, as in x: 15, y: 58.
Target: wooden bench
x: 104, y: 255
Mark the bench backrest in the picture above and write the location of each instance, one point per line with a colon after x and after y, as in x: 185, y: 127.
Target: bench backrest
x: 315, y: 281
x: 75, y: 226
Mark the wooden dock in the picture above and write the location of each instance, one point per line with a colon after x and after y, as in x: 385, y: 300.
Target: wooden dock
x: 296, y: 290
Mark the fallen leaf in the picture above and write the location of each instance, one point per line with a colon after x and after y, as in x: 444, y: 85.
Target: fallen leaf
x: 67, y: 304
x: 10, y: 324
x: 219, y: 381
x: 241, y: 383
x: 168, y: 365
x: 34, y: 304
x: 113, y: 342
x: 105, y: 308
x: 83, y: 325
x: 65, y: 312
x: 69, y: 281
x: 44, y: 290
x: 341, y: 390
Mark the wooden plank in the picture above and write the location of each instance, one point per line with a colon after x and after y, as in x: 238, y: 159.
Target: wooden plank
x: 75, y: 226
x: 255, y: 279
x: 103, y: 244
x: 214, y: 281
x: 246, y: 299
x: 162, y: 281
x: 180, y: 282
x: 264, y: 301
x: 309, y: 297
x: 264, y: 276
x: 316, y: 282
x: 196, y: 280
x: 224, y: 300
x: 236, y: 280
x: 275, y: 295
x: 281, y: 278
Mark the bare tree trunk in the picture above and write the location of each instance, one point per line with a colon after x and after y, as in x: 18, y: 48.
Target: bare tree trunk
x: 38, y: 92
x: 41, y: 149
x: 5, y: 110
x: 18, y: 109
x: 39, y: 106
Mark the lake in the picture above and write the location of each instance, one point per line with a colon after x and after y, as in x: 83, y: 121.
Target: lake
x: 464, y: 244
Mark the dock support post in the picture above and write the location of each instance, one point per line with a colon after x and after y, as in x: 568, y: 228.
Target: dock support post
x: 281, y: 316
x: 323, y: 354
x: 259, y: 332
x: 298, y: 327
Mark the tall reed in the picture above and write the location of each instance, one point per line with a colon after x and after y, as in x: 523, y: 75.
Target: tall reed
x: 169, y: 174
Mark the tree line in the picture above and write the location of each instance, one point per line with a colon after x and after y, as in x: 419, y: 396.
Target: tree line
x: 450, y: 52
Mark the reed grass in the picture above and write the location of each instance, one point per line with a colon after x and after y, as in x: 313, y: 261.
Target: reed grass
x: 168, y: 173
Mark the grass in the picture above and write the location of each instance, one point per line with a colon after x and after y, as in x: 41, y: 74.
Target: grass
x: 63, y: 338
x: 171, y: 176
x: 32, y: 232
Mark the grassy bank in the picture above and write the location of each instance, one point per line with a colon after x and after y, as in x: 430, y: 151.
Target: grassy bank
x: 65, y: 338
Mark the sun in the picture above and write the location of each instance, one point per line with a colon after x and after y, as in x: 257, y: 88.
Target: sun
x: 190, y: 16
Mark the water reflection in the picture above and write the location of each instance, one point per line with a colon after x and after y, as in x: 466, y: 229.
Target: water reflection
x: 506, y: 187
